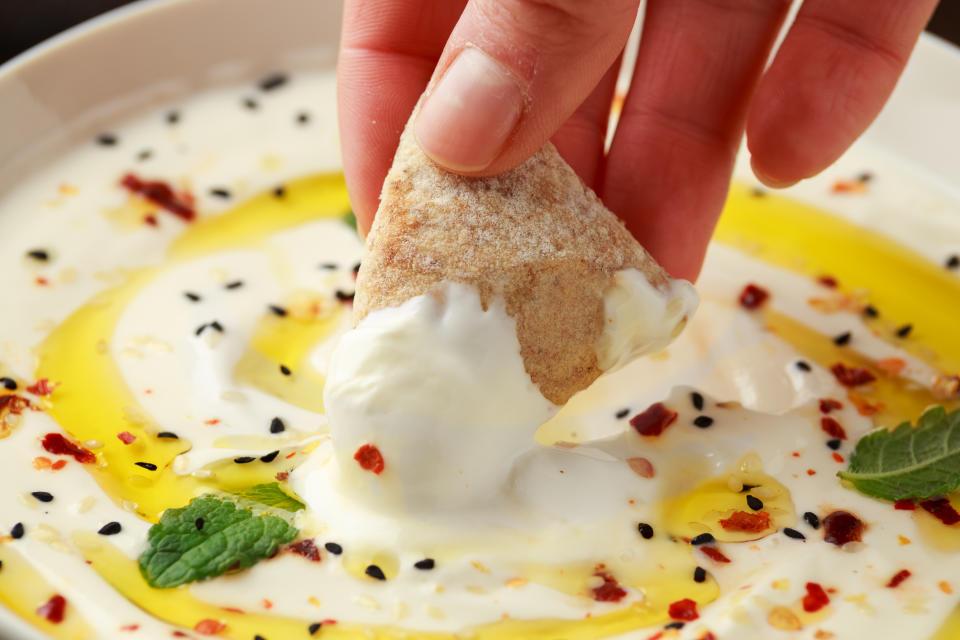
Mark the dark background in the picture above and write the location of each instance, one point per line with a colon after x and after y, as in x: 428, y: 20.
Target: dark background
x: 23, y: 23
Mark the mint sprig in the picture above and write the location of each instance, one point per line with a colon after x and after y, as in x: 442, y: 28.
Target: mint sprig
x: 271, y: 495
x: 207, y: 538
x: 909, y: 462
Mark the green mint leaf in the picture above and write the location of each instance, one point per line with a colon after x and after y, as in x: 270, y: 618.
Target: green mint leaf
x: 350, y: 220
x: 909, y: 462
x: 272, y: 495
x: 230, y: 538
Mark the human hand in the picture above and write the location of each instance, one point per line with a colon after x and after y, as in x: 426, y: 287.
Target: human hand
x: 507, y: 75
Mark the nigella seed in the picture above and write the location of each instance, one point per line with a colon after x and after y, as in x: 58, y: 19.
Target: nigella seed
x: 333, y: 548
x: 356, y: 268
x: 273, y: 81
x: 277, y: 426
x: 793, y: 533
x: 697, y: 399
x: 699, y: 574
x: 812, y: 519
x: 285, y: 370
x: 329, y: 266
x: 870, y: 311
x: 277, y: 311
x: 303, y: 118
x: 106, y: 140
x: 198, y: 523
x: 343, y: 296
x: 244, y: 459
x: 173, y: 117
x: 220, y: 192
x: 236, y: 284
x: 9, y: 384
x: 834, y: 444
x: 149, y: 466
x: 703, y: 421
x: 803, y: 366
x: 676, y: 624
x: 40, y: 255
x: 904, y: 331
x: 168, y: 434
x: 866, y: 176
x: 754, y: 502
x: 191, y: 296
x: 42, y: 496
x: 270, y: 457
x: 646, y: 531
x: 257, y: 636
x: 145, y: 154
x: 748, y: 487
x: 110, y: 529
x: 279, y: 192
x: 703, y: 538
x: 216, y: 325
x: 953, y: 262
x: 623, y: 413
x: 842, y: 339
x: 313, y: 628
x: 250, y: 104
x: 17, y: 532
x: 375, y: 572
x: 425, y: 565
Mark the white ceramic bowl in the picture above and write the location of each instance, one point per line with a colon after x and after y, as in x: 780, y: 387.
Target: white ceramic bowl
x: 72, y: 86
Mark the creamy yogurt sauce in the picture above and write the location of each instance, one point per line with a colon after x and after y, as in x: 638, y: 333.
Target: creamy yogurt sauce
x: 223, y: 331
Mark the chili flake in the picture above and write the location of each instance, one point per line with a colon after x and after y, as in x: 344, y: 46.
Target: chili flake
x: 752, y: 297
x: 898, y: 578
x: 610, y: 590
x: 162, y: 195
x: 126, y: 437
x: 369, y: 458
x: 904, y: 505
x: 815, y: 599
x: 746, y: 522
x: 851, y: 376
x: 653, y: 420
x: 715, y: 554
x: 307, y: 549
x: 829, y: 404
x: 828, y: 281
x: 41, y: 387
x: 942, y: 510
x: 685, y: 609
x: 841, y: 527
x: 209, y: 627
x: 53, y: 609
x: 57, y: 444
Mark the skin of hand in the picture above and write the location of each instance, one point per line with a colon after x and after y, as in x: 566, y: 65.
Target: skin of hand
x: 501, y: 77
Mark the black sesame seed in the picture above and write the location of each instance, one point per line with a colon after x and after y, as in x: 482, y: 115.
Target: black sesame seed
x: 41, y: 255
x: 697, y: 400
x: 842, y: 339
x: 703, y: 421
x: 703, y: 538
x: 793, y: 533
x: 8, y: 383
x: 220, y: 192
x: 646, y: 531
x: 748, y: 487
x: 303, y: 118
x: 674, y: 625
x: 866, y: 176
x: 313, y: 628
x: 273, y: 81
x: 145, y: 154
x: 623, y: 413
x: 236, y: 284
x: 106, y: 139
x: 375, y: 572
x: 699, y: 574
x: 244, y: 459
x: 250, y: 104
x: 149, y: 466
x: 110, y: 529
x: 270, y: 457
x: 754, y: 502
x: 173, y: 117
x: 191, y: 296
x: 904, y: 331
x: 343, y: 296
x: 279, y: 192
x: 42, y: 496
x: 278, y: 311
x: 168, y: 434
x: 811, y: 519
x: 803, y: 366
x: 834, y: 443
x: 333, y: 548
x: 953, y: 262
x: 285, y: 370
x: 329, y: 266
x: 870, y: 311
x: 277, y: 426
x: 258, y: 637
x: 216, y: 325
x: 17, y: 532
x: 198, y: 523
x: 425, y: 565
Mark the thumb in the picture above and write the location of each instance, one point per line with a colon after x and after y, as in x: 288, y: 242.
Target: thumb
x: 511, y: 73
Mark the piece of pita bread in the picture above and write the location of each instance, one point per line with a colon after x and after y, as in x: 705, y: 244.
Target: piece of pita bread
x: 535, y: 235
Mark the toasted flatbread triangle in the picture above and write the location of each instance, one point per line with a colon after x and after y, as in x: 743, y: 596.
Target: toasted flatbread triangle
x: 535, y: 235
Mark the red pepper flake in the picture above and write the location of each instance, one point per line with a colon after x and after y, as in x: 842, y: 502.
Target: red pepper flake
x: 707, y: 636
x: 282, y: 476
x: 267, y: 604
x: 811, y: 472
x: 162, y: 195
x: 829, y: 404
x: 212, y: 421
x: 610, y: 590
x: 753, y: 297
x: 52, y: 610
x: 126, y: 437
x: 13, y: 405
x: 837, y: 457
x: 151, y: 220
x: 904, y: 505
x: 57, y: 444
x: 841, y: 527
x: 654, y: 420
x: 864, y: 406
x: 815, y: 599
x: 832, y: 428
x: 685, y: 610
x: 59, y: 464
x: 180, y: 634
x: 369, y: 458
x: 851, y: 376
x: 209, y: 627
x: 714, y: 554
x: 306, y: 548
x: 747, y: 522
x: 41, y: 387
x: 942, y: 510
x: 899, y: 577
x: 129, y: 627
x: 828, y: 281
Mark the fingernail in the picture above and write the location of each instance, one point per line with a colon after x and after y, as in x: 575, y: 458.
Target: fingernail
x: 466, y: 120
x: 769, y: 181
